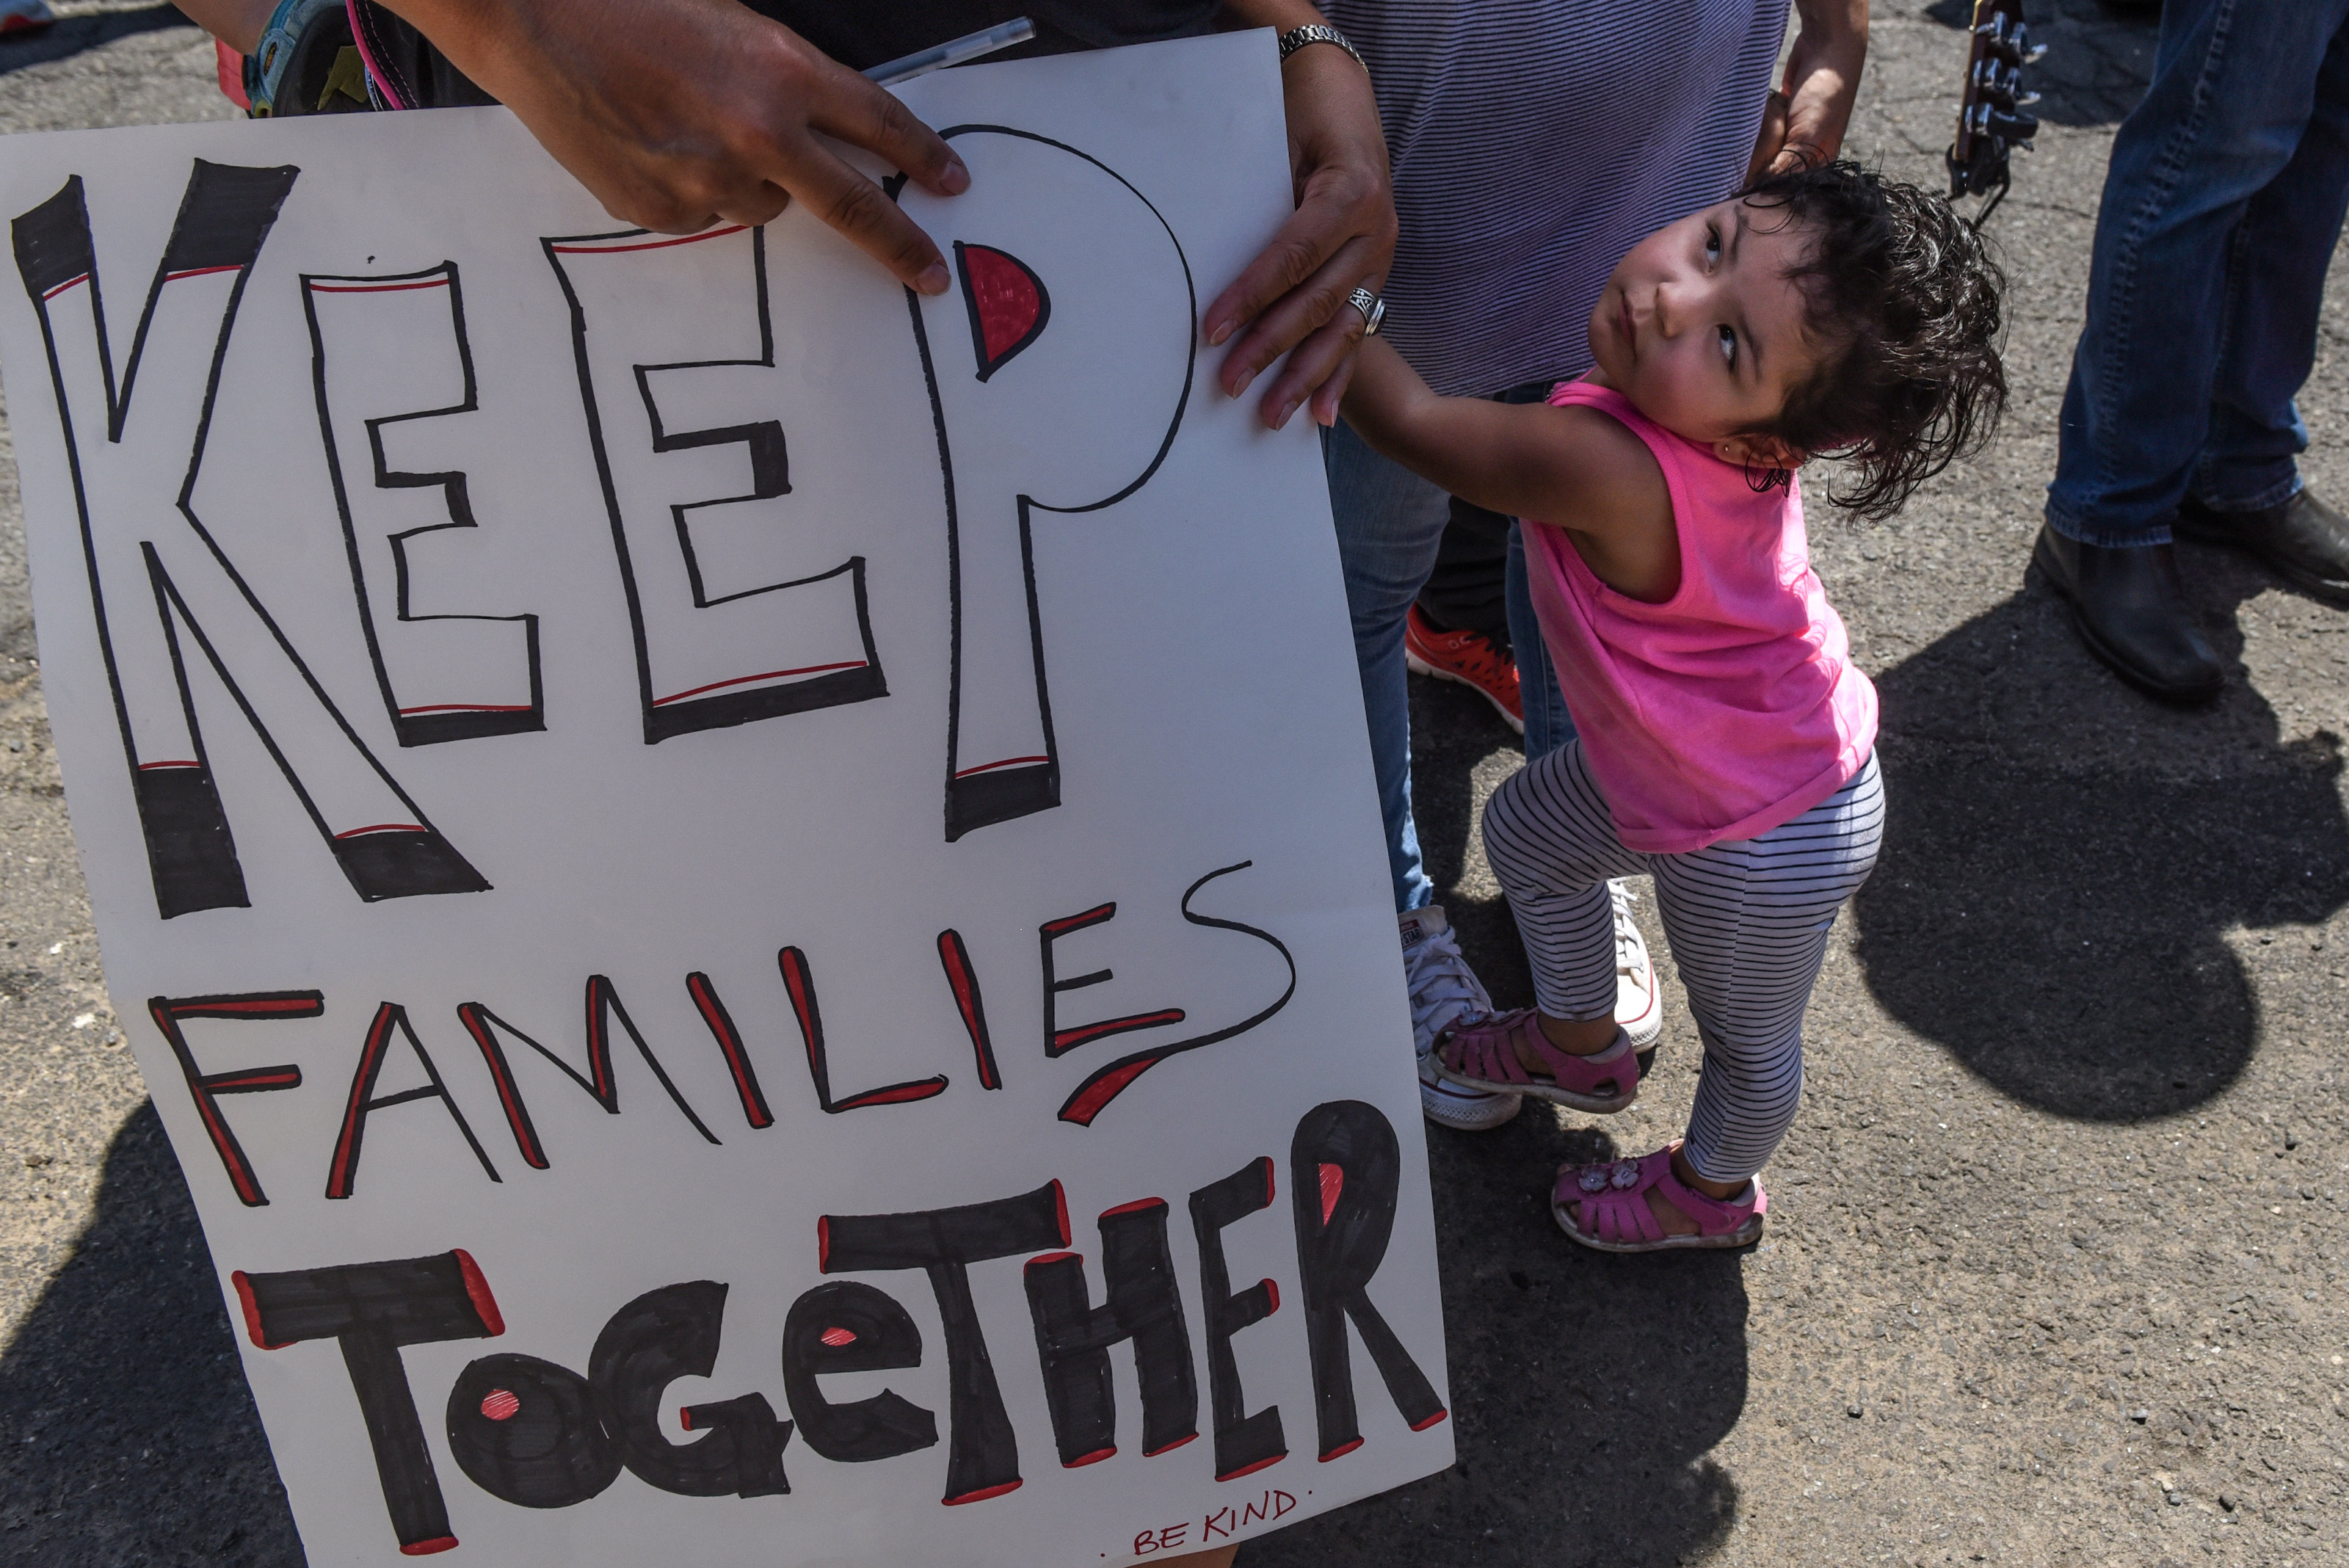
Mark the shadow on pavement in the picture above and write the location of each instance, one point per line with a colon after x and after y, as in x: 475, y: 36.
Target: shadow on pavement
x: 2064, y: 858
x: 72, y: 34
x: 127, y: 1437
x: 1579, y: 1381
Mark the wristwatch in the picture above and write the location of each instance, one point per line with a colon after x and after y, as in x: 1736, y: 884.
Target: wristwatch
x: 1297, y: 38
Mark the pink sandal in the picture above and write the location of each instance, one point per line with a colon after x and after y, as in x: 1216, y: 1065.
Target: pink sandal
x: 1483, y: 1054
x: 1614, y: 1198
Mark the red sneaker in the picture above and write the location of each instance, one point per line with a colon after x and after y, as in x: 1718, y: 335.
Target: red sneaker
x: 1468, y: 656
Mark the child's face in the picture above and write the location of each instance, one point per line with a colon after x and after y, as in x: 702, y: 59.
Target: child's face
x: 1701, y: 328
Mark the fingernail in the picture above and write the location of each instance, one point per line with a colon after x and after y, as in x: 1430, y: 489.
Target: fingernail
x: 933, y: 279
x: 956, y: 179
x: 1280, y: 420
x: 1219, y: 333
x: 1241, y: 390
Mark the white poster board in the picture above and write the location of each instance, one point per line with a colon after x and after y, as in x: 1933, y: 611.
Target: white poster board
x: 755, y: 906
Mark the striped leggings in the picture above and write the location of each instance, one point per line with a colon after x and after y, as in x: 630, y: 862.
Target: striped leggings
x: 1748, y: 920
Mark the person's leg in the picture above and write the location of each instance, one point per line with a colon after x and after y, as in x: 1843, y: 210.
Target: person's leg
x: 1548, y: 725
x: 1458, y: 627
x: 1553, y: 846
x: 2233, y: 88
x: 1749, y: 923
x: 1464, y: 591
x: 2274, y: 290
x: 2246, y: 488
x: 1390, y: 524
x: 1639, y: 1006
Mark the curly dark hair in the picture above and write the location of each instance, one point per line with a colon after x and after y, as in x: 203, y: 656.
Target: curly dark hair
x: 1904, y: 300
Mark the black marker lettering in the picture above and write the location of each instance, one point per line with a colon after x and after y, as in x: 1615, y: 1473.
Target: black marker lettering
x: 1057, y: 1039
x: 729, y: 626
x: 798, y: 982
x: 1034, y: 336
x: 846, y: 1325
x: 649, y: 1344
x: 1106, y: 1083
x: 343, y: 1170
x: 1344, y: 1170
x: 603, y: 1006
x: 143, y: 546
x: 388, y: 352
x: 982, y: 1452
x: 1244, y: 1443
x: 1073, y: 1338
x: 205, y: 1088
x: 372, y: 1311
x: 526, y: 1431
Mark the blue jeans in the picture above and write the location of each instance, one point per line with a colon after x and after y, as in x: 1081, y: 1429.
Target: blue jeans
x: 2221, y: 207
x: 1390, y: 522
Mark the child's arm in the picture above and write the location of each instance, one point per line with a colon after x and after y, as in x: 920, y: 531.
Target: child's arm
x: 1571, y: 467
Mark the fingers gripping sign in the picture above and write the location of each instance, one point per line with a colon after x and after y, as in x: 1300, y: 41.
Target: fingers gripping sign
x: 711, y: 112
x: 1032, y: 418
x: 1290, y: 299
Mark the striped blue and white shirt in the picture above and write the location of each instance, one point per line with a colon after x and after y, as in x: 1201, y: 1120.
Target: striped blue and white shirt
x: 1535, y: 143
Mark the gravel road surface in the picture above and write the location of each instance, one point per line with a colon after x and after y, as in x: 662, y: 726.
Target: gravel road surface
x: 2054, y: 1268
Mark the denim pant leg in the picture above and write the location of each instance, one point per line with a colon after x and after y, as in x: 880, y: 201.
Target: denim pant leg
x: 2275, y: 289
x: 1548, y: 725
x: 1390, y: 524
x: 2233, y: 88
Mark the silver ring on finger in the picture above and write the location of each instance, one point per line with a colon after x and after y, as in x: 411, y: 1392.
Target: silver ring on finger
x: 1374, y: 309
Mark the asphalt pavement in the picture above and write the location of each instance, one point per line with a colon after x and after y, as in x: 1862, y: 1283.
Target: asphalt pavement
x: 2054, y: 1273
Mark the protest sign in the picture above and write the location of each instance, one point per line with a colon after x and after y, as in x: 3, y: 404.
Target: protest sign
x: 754, y: 904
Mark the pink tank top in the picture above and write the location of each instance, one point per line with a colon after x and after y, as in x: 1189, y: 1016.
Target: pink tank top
x: 1729, y: 708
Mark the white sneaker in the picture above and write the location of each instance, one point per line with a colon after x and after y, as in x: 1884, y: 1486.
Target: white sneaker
x: 1443, y: 991
x: 1637, y: 1008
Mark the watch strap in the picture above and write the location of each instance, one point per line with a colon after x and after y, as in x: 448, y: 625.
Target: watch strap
x: 1297, y: 38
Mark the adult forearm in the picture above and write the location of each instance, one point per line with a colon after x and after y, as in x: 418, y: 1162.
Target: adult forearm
x: 1823, y: 73
x: 1805, y: 119
x: 471, y: 33
x: 1292, y: 300
x: 1281, y: 14
x: 677, y: 113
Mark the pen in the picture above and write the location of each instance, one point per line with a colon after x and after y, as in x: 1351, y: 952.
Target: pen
x: 1002, y: 35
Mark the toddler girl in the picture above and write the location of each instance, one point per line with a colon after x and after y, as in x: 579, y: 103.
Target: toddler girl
x: 1727, y: 743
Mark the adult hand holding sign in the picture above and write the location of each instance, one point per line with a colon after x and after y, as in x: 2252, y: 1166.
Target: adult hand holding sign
x: 1293, y: 296
x: 677, y: 114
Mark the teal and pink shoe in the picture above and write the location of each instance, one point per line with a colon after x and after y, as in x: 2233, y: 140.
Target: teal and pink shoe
x: 1616, y: 1216
x: 1482, y: 1054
